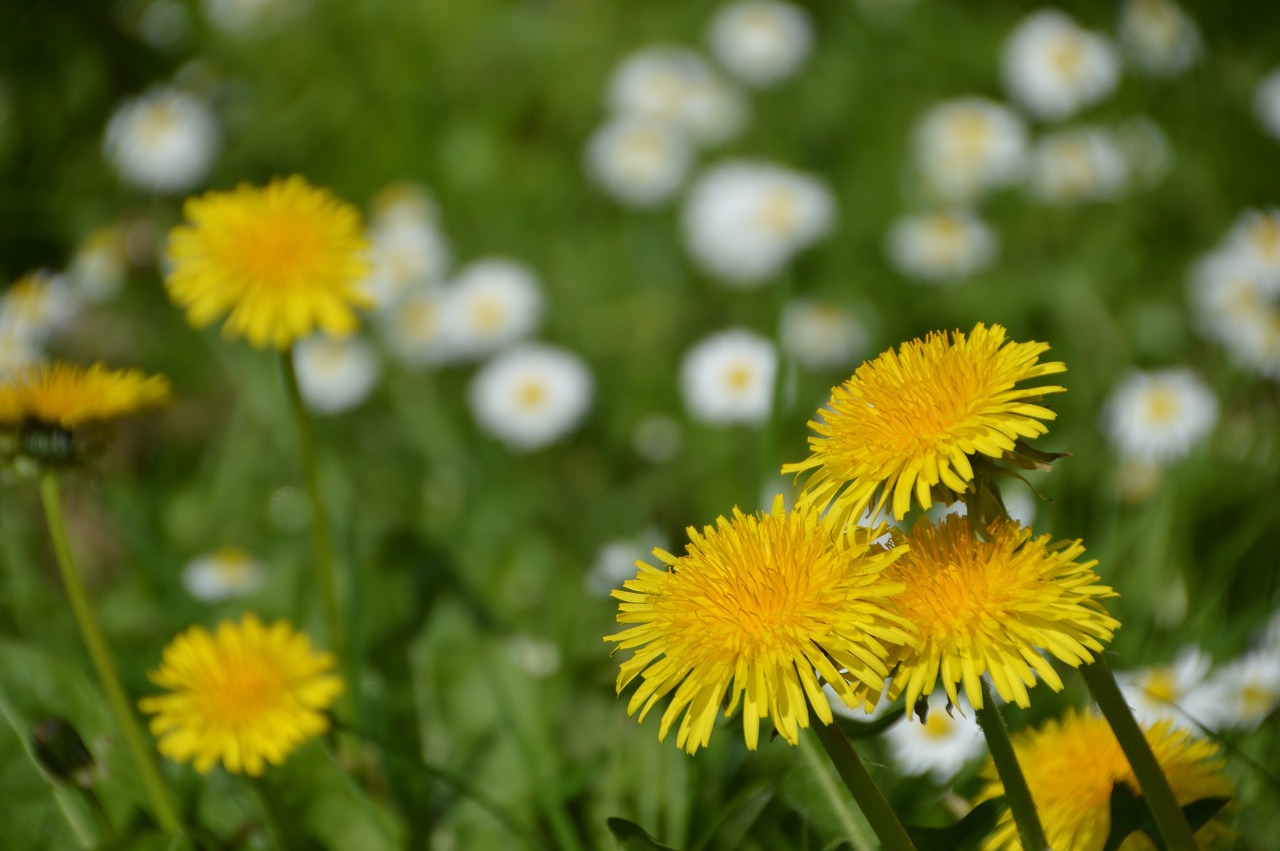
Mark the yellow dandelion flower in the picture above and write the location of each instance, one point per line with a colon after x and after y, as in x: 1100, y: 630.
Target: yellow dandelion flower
x: 282, y: 260
x: 245, y: 695
x: 756, y: 605
x: 1072, y: 766
x: 911, y: 419
x: 62, y: 395
x: 987, y: 606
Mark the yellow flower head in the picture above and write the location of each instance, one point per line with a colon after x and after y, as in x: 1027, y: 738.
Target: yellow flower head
x: 244, y: 695
x: 1072, y: 766
x: 282, y: 260
x: 66, y: 396
x: 755, y: 605
x: 987, y: 606
x: 911, y: 418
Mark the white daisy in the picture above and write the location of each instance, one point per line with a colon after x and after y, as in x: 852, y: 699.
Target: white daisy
x: 1244, y: 692
x: 1266, y: 103
x: 656, y: 438
x: 531, y: 396
x: 675, y: 86
x: 638, y: 161
x: 253, y: 17
x: 39, y: 304
x: 1159, y: 416
x: 1254, y: 242
x: 728, y: 378
x: 761, y: 42
x: 404, y: 199
x: 222, y: 575
x: 418, y: 328
x: 1053, y: 68
x: 615, y: 561
x: 744, y: 221
x: 492, y: 303
x: 1236, y: 306
x: 940, y: 746
x: 1174, y: 691
x: 1160, y: 36
x: 1146, y: 150
x: 536, y: 657
x: 941, y: 248
x: 335, y: 374
x: 1078, y: 165
x: 163, y: 141
x: 17, y: 348
x: 100, y: 264
x: 406, y: 252
x: 820, y: 334
x: 967, y: 147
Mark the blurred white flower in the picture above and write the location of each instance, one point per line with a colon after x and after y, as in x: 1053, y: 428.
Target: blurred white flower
x: 1159, y: 35
x: 940, y: 746
x: 406, y: 252
x: 1244, y: 692
x: 17, y: 348
x: 418, y: 329
x: 100, y: 264
x: 967, y: 147
x: 1077, y: 165
x: 638, y: 161
x: 656, y: 438
x: 615, y: 562
x: 222, y: 575
x: 1146, y: 151
x: 744, y: 221
x: 537, y: 657
x: 1159, y: 416
x: 335, y: 373
x: 163, y: 141
x: 1174, y: 691
x: 675, y: 86
x: 820, y: 334
x: 404, y: 199
x: 1235, y: 305
x: 728, y: 378
x: 1266, y: 103
x: 531, y: 395
x: 492, y: 303
x: 941, y: 248
x: 39, y: 304
x: 253, y: 17
x: 1053, y: 68
x: 1254, y: 242
x: 163, y: 24
x: 761, y: 42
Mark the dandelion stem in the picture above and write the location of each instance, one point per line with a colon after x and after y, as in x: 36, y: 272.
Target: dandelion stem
x: 1169, y: 817
x: 1016, y: 791
x: 893, y: 836
x: 273, y: 822
x: 321, y: 538
x: 157, y: 793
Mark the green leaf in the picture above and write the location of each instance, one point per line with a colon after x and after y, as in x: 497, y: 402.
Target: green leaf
x: 965, y: 834
x: 1130, y: 813
x: 633, y: 837
x: 815, y: 790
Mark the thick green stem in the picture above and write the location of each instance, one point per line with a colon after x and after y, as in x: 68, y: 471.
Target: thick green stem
x: 321, y: 539
x: 893, y: 836
x: 1016, y: 791
x: 1169, y: 817
x: 144, y: 762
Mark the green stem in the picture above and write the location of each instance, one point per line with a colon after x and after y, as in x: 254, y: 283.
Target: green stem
x: 273, y: 822
x: 1169, y: 817
x: 1016, y: 791
x: 321, y: 539
x: 157, y: 793
x: 893, y: 836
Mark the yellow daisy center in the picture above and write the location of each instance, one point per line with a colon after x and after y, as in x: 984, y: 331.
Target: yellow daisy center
x: 531, y: 395
x: 1162, y: 685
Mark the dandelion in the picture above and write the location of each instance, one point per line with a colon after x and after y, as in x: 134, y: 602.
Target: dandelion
x: 967, y: 147
x: 761, y: 42
x: 640, y: 162
x: 941, y: 248
x: 335, y: 375
x: 244, y: 695
x: 1159, y: 416
x: 820, y: 334
x: 938, y: 746
x: 65, y: 396
x: 728, y: 378
x: 921, y: 416
x: 163, y: 141
x: 761, y: 607
x: 987, y: 606
x: 493, y: 303
x: 1053, y: 67
x: 222, y: 575
x: 1160, y: 36
x: 531, y: 396
x: 1073, y: 764
x: 744, y: 220
x: 283, y: 261
x: 1078, y: 165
